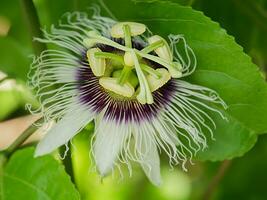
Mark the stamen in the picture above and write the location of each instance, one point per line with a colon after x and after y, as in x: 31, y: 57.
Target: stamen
x: 102, y: 40
x: 136, y: 29
x: 98, y: 65
x: 144, y: 95
x: 111, y: 56
x: 169, y: 65
x: 156, y: 83
x: 150, y: 70
x: 163, y: 51
x: 152, y: 46
x: 111, y: 84
x: 127, y: 35
x: 132, y: 78
x: 124, y: 74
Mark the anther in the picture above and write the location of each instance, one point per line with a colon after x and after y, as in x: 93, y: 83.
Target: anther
x: 156, y: 83
x: 136, y: 29
x: 98, y: 65
x: 111, y: 84
x: 163, y: 51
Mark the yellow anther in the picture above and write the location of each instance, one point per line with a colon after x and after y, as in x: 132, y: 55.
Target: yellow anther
x: 98, y: 65
x: 156, y: 83
x: 136, y: 29
x: 164, y: 51
x: 111, y: 84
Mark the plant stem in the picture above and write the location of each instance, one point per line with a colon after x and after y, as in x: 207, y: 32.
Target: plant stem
x: 33, y: 25
x: 124, y: 74
x: 216, y: 179
x: 150, y: 70
x: 153, y: 46
x: 23, y: 137
x: 127, y: 36
x: 109, y: 56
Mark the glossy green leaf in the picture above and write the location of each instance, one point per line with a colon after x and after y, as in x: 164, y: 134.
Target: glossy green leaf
x: 31, y: 178
x: 222, y: 66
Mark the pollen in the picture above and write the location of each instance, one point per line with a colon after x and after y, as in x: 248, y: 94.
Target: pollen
x: 157, y: 82
x: 111, y: 84
x: 136, y: 29
x: 98, y: 65
x: 164, y: 51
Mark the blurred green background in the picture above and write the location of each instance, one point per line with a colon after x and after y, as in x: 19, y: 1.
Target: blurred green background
x: 241, y: 178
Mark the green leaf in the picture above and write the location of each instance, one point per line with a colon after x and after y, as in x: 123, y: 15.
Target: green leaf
x: 14, y: 58
x: 222, y: 66
x: 31, y: 178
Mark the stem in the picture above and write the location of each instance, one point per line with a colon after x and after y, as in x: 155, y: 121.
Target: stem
x: 124, y: 74
x: 127, y: 36
x: 106, y: 41
x: 23, y: 137
x: 2, y: 163
x: 33, y: 25
x: 216, y: 180
x: 109, y: 56
x: 152, y: 46
x: 150, y: 70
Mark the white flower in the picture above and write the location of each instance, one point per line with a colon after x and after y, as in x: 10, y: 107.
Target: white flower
x: 139, y: 106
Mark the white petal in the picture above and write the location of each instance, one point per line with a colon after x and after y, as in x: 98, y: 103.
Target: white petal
x: 108, y: 144
x: 148, y: 153
x: 151, y: 165
x: 74, y: 120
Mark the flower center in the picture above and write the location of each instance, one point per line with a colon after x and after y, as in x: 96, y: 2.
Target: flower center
x: 126, y: 73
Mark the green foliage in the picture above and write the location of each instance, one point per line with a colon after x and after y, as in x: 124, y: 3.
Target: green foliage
x: 222, y: 66
x: 15, y: 48
x: 14, y: 58
x: 31, y: 178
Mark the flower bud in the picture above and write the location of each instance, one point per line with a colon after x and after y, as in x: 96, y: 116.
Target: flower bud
x: 164, y: 51
x: 135, y: 28
x: 156, y: 83
x: 111, y: 84
x: 98, y: 65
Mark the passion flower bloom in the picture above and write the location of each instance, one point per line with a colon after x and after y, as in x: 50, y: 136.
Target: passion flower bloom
x: 129, y: 83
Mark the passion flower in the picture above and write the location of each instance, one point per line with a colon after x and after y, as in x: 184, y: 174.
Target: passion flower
x: 128, y: 82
